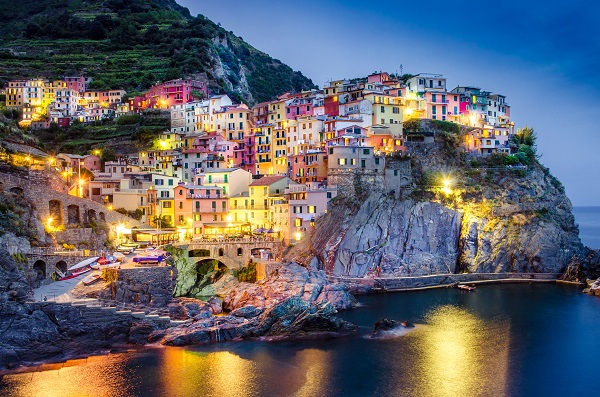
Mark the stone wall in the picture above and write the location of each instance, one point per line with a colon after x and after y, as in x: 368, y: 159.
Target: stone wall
x: 151, y: 286
x: 51, y: 200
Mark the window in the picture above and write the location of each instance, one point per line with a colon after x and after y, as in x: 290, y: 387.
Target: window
x: 433, y: 98
x: 366, y: 151
x: 180, y: 205
x: 434, y: 110
x: 383, y: 109
x: 395, y: 172
x: 353, y: 161
x: 312, y: 209
x: 170, y: 182
x: 166, y: 204
x: 376, y: 160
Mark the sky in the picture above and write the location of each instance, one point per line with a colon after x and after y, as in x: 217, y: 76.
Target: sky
x: 544, y: 56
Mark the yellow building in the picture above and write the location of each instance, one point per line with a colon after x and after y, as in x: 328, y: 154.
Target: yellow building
x: 387, y: 110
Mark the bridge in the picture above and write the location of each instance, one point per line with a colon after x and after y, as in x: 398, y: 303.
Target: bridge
x: 232, y: 253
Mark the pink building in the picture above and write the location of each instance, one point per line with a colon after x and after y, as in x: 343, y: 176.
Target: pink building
x: 175, y: 92
x: 76, y: 83
x: 200, y: 207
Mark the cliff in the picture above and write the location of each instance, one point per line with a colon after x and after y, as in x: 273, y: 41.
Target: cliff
x: 493, y: 219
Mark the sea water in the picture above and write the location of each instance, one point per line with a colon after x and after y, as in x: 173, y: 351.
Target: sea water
x: 502, y: 340
x: 588, y: 219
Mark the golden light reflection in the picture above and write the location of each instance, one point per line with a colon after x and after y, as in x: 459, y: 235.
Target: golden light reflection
x: 318, y: 372
x: 456, y: 349
x: 214, y: 374
x: 72, y: 379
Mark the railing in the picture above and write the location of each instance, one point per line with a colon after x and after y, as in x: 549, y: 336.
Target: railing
x: 63, y: 252
x: 220, y: 240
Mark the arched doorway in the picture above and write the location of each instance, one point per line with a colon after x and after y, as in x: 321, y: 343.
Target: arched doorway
x: 91, y: 215
x: 62, y: 267
x: 39, y: 267
x: 73, y: 214
x: 17, y: 191
x: 209, y: 271
x: 221, y: 252
x: 55, y: 209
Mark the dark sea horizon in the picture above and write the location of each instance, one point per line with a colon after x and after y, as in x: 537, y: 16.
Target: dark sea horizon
x: 588, y: 219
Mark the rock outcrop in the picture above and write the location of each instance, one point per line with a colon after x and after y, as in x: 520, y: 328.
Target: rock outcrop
x: 290, y: 280
x: 290, y: 318
x: 292, y: 302
x: 492, y: 221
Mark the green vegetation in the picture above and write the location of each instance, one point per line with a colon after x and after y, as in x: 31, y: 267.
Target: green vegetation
x: 247, y: 273
x: 15, y: 214
x: 525, y: 141
x: 132, y: 44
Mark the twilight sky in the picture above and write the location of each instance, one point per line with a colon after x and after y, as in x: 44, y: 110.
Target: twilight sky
x: 544, y: 56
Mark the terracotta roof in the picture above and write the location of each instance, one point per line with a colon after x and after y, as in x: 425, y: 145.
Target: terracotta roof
x: 267, y: 180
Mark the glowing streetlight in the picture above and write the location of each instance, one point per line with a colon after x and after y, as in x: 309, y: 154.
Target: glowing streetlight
x: 447, y: 189
x: 110, y: 207
x: 49, y: 222
x: 97, y: 152
x: 163, y: 144
x: 298, y: 236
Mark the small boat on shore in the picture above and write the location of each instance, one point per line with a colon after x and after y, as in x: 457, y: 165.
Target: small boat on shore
x: 75, y: 274
x: 92, y: 278
x: 465, y: 287
x: 150, y: 255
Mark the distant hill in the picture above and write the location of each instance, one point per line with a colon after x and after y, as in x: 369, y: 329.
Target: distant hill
x: 132, y: 44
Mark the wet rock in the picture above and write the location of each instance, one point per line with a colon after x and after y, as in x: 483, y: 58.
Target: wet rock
x: 291, y: 318
x: 246, y: 312
x: 216, y: 305
x: 385, y: 325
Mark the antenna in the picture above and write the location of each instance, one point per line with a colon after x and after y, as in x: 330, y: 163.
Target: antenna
x: 401, y: 70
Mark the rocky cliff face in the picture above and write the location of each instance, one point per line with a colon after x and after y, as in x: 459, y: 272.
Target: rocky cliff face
x: 491, y: 220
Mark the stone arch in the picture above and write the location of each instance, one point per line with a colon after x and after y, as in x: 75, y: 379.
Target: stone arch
x: 39, y: 267
x: 209, y: 271
x: 62, y: 266
x: 221, y: 252
x: 102, y: 216
x: 91, y: 216
x: 199, y: 253
x: 240, y: 251
x: 73, y: 214
x: 16, y: 190
x: 55, y: 210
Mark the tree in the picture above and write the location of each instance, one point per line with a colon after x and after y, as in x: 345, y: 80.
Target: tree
x: 162, y: 222
x: 526, y: 136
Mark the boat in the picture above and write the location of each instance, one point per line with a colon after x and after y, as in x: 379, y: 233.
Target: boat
x: 86, y: 262
x: 75, y: 274
x: 150, y: 255
x: 465, y: 287
x: 92, y: 278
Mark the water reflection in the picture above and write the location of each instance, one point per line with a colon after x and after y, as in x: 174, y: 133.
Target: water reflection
x: 105, y: 376
x: 457, y: 351
x: 315, y: 362
x: 219, y: 373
